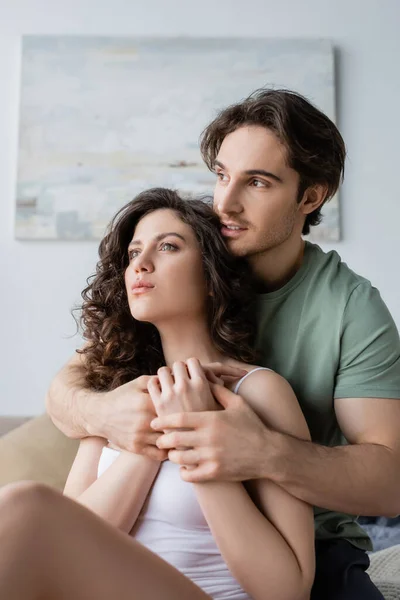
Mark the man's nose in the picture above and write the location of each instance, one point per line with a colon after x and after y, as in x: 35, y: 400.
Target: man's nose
x: 227, y: 200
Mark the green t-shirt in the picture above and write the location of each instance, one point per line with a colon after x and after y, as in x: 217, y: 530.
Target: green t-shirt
x: 329, y: 333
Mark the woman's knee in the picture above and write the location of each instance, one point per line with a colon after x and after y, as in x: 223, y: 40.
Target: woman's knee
x: 25, y: 497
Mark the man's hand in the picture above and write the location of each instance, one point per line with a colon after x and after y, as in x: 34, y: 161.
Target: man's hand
x: 229, y: 444
x: 126, y: 413
x: 123, y: 415
x: 220, y: 373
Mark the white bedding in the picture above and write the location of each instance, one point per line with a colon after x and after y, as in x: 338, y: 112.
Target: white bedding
x: 385, y: 572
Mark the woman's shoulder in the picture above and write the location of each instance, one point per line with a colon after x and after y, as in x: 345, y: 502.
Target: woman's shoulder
x: 261, y: 377
x: 257, y: 375
x: 272, y: 398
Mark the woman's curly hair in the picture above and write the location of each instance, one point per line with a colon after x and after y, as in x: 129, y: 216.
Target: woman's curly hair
x: 119, y: 347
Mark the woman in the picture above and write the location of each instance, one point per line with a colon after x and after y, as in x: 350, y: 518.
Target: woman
x: 166, y: 289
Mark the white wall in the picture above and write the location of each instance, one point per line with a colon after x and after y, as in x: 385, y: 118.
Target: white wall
x: 40, y: 281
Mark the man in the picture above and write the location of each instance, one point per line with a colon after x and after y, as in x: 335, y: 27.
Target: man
x: 325, y: 329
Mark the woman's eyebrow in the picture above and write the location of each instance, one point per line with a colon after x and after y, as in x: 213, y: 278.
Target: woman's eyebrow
x: 158, y: 238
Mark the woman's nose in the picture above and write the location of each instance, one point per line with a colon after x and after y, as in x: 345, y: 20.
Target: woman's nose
x: 143, y: 263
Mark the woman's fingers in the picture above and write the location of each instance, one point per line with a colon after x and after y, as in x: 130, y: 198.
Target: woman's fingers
x: 179, y: 372
x: 165, y: 377
x: 215, y: 372
x: 153, y: 387
x: 195, y: 369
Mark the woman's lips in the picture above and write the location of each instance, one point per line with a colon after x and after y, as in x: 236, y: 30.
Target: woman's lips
x: 142, y: 289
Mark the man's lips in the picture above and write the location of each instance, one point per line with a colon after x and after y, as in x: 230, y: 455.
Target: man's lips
x: 235, y: 232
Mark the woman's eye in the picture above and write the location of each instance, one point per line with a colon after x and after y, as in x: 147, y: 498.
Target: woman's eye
x: 168, y: 247
x: 133, y: 254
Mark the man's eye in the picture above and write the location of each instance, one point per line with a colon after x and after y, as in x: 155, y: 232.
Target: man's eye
x: 259, y: 183
x: 220, y: 175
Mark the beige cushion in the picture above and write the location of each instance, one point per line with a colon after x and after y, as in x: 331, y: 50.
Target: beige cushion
x: 38, y: 451
x: 9, y: 423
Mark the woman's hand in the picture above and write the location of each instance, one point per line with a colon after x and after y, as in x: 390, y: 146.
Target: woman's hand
x: 182, y: 388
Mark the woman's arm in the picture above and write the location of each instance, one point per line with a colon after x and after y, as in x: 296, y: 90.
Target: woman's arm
x: 267, y: 540
x: 84, y: 468
x: 120, y: 492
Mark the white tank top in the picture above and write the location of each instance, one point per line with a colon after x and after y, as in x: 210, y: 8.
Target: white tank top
x: 172, y: 525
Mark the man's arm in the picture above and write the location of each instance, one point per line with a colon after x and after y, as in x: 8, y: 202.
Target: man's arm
x: 70, y: 404
x: 361, y: 478
x: 121, y: 415
x: 234, y: 445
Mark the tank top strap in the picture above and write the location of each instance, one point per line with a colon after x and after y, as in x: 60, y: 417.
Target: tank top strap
x: 239, y: 383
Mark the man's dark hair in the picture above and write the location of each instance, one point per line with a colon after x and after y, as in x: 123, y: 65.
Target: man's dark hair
x: 315, y: 148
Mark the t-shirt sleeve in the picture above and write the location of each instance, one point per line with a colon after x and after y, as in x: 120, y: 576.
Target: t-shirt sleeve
x: 369, y: 364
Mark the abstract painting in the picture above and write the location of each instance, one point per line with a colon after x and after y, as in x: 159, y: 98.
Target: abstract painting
x: 102, y: 118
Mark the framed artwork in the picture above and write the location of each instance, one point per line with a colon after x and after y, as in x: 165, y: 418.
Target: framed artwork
x: 102, y: 118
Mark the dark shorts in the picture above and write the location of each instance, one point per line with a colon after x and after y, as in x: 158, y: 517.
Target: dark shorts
x: 340, y: 573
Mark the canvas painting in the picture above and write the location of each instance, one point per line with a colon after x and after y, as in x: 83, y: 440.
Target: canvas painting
x: 103, y: 118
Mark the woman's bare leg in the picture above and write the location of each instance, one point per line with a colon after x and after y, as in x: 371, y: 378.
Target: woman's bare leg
x: 54, y: 548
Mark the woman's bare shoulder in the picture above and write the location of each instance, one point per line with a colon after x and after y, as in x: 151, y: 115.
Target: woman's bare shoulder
x: 273, y: 399
x: 258, y: 375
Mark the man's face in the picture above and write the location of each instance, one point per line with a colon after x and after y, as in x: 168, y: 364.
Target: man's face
x: 256, y: 191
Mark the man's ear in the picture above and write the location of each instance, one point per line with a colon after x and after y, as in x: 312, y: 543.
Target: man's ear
x: 313, y: 198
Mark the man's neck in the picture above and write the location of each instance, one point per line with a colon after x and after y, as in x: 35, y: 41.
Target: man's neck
x: 276, y: 267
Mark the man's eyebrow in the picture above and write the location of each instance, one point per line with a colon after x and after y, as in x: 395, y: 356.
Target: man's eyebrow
x: 262, y: 172
x: 158, y: 238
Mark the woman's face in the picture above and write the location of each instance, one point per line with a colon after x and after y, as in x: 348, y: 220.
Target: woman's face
x: 164, y: 279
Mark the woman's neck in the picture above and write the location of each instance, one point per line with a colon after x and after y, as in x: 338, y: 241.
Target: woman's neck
x: 187, y: 339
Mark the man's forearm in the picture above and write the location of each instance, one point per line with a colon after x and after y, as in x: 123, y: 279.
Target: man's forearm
x: 360, y: 479
x: 70, y: 405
